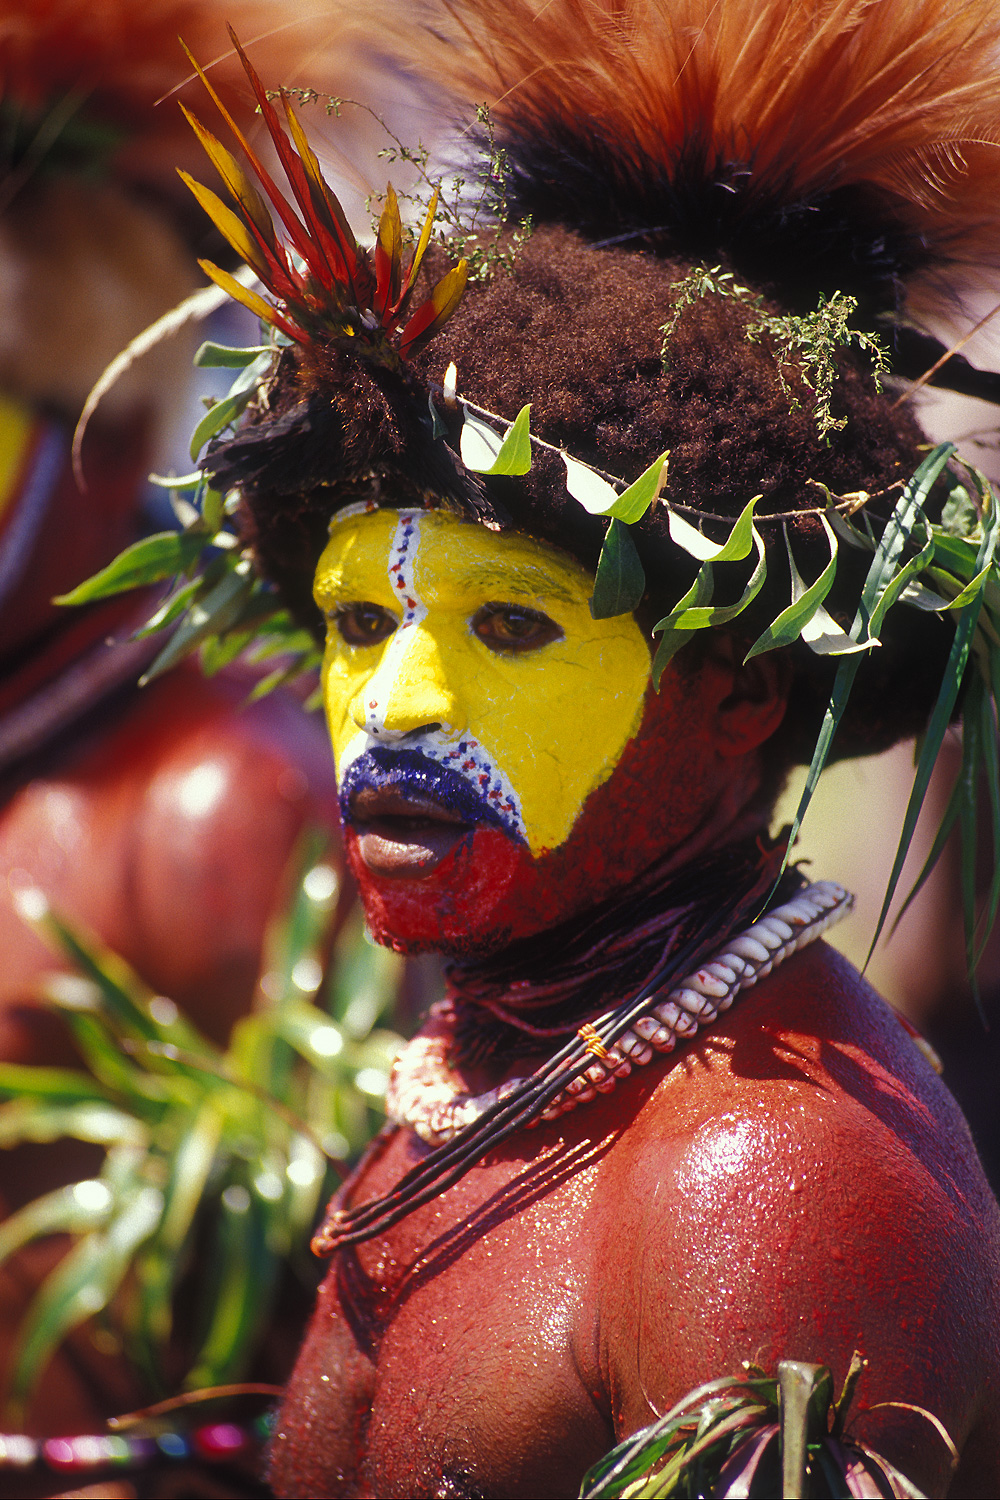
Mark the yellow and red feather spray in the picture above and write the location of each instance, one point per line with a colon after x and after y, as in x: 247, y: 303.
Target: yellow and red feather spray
x: 329, y: 285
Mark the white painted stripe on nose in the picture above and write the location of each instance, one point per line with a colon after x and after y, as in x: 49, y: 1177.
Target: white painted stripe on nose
x: 402, y: 556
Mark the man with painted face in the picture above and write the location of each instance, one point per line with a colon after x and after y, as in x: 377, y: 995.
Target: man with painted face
x: 603, y: 1181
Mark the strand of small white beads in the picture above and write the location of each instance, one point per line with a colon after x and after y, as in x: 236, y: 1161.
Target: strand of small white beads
x: 425, y: 1096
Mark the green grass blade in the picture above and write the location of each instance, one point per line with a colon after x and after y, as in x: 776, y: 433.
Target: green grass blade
x: 64, y: 1211
x: 125, y: 997
x: 880, y: 575
x: 940, y: 718
x: 82, y: 1284
x: 159, y: 1265
x: 19, y: 1079
x: 43, y: 1121
x: 945, y: 827
x: 238, y: 1290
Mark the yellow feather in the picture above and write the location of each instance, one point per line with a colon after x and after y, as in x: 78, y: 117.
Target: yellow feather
x: 236, y: 180
x: 239, y: 293
x: 234, y: 230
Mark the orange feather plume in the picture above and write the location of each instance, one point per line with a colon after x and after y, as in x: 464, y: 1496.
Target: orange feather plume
x: 785, y: 101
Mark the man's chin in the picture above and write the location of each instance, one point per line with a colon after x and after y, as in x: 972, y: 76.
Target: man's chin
x: 453, y: 890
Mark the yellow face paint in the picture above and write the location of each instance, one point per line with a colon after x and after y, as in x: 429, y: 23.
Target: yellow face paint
x: 533, y: 730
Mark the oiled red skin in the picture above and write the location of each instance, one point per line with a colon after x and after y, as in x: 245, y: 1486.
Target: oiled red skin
x: 795, y: 1184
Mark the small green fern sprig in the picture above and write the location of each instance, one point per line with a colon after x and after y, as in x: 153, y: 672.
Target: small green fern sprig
x: 470, y: 228
x: 805, y: 345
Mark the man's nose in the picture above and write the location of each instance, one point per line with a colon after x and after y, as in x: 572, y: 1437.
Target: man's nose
x: 411, y: 689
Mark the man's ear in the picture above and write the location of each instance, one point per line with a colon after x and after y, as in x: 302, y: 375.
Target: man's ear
x: 757, y: 696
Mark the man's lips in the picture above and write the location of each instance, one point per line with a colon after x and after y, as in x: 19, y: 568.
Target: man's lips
x: 403, y: 835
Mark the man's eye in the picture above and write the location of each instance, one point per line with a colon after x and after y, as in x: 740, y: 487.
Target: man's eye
x: 512, y: 627
x: 364, y: 624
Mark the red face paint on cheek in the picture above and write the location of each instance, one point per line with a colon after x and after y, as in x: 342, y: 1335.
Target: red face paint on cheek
x: 490, y: 890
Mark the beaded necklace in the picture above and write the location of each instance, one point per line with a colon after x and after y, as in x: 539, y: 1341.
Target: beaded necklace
x: 426, y: 1096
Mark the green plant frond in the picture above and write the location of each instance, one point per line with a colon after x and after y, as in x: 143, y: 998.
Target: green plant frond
x: 67, y: 1210
x: 877, y: 596
x: 241, y: 1277
x: 81, y: 1285
x: 20, y: 1080
x: 973, y: 750
x: 759, y: 1423
x: 226, y: 1147
x: 44, y: 1121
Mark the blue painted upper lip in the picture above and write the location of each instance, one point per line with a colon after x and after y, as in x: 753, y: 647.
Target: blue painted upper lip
x: 403, y: 783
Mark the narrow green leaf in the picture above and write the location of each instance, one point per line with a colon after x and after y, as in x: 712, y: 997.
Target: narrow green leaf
x: 218, y: 651
x: 215, y: 613
x: 275, y: 679
x: 190, y: 481
x: 215, y: 419
x: 82, y: 1284
x: 212, y: 509
x: 788, y: 626
x: 741, y: 538
x: 633, y: 503
x: 160, y: 1263
x: 939, y: 721
x: 67, y: 1084
x: 848, y: 532
x: 514, y: 456
x: 238, y: 1292
x: 702, y: 616
x: 879, y: 577
x: 28, y: 1120
x: 64, y: 1211
x: 149, y: 561
x: 940, y: 839
x: 172, y: 607
x: 620, y: 581
x: 213, y: 356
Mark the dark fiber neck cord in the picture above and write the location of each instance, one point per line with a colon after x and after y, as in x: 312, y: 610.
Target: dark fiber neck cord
x: 449, y: 1162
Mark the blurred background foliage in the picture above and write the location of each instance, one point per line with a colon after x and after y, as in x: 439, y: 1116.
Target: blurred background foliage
x: 217, y: 1162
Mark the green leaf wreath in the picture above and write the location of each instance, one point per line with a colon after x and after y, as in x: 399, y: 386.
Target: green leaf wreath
x: 217, y: 605
x: 221, y: 1155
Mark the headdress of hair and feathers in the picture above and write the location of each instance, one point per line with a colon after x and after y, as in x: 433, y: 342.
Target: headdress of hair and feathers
x: 744, y: 213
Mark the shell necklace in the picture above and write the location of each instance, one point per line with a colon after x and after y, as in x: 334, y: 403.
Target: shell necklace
x: 426, y: 1095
